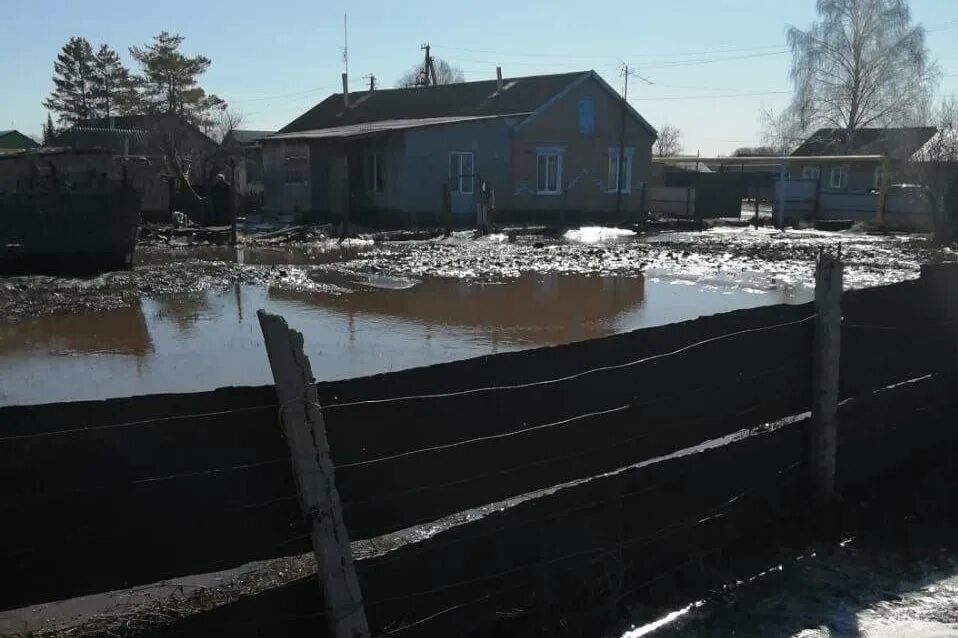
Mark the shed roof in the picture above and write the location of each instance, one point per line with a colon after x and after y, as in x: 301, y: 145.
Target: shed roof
x: 247, y: 136
x: 465, y: 99
x: 894, y: 143
x: 14, y: 139
x: 130, y: 133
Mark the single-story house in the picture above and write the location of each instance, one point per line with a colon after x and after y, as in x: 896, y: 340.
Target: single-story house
x: 849, y: 189
x: 13, y: 140
x: 898, y: 145
x: 545, y: 144
x: 145, y: 139
x: 245, y: 149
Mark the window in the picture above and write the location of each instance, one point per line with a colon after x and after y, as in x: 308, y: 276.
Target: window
x: 297, y: 168
x: 876, y: 179
x: 549, y: 171
x: 586, y: 116
x: 461, y: 173
x: 614, y: 170
x: 811, y: 172
x: 838, y: 177
x: 374, y: 173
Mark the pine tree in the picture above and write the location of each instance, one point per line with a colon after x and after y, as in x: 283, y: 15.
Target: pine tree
x: 169, y: 80
x: 71, y: 98
x: 113, y: 89
x: 49, y: 131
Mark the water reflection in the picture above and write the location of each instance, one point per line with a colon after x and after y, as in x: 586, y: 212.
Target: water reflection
x: 201, y: 341
x: 531, y: 310
x: 121, y: 331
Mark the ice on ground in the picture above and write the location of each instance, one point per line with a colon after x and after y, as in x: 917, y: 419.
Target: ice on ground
x: 593, y: 234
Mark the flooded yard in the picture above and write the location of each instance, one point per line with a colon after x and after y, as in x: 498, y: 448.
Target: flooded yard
x: 185, y: 318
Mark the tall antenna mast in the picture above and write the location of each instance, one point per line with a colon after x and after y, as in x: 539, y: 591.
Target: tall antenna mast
x: 345, y: 43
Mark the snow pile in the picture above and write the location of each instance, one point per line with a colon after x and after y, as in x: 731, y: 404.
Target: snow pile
x: 593, y: 234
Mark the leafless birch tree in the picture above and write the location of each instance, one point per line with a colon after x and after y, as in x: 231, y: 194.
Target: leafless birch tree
x: 862, y: 64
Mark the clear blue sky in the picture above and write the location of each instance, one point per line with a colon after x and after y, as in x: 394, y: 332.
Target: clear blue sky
x: 719, y: 61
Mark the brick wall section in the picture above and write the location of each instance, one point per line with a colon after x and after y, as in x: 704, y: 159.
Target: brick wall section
x: 585, y: 162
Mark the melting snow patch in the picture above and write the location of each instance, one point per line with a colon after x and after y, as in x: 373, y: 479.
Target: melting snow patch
x: 592, y: 234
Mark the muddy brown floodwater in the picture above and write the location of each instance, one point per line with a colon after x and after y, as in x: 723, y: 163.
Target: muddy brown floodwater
x: 185, y: 319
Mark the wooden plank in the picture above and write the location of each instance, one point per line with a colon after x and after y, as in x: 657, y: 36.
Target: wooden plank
x: 672, y: 402
x: 894, y: 427
x: 825, y: 367
x: 596, y: 540
x: 123, y: 480
x: 302, y: 419
x: 889, y: 334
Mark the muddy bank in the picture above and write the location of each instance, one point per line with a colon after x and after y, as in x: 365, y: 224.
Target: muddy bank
x: 31, y: 296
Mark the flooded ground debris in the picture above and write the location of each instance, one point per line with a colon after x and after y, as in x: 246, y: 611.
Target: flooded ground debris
x: 31, y: 296
x: 747, y: 257
x: 871, y: 259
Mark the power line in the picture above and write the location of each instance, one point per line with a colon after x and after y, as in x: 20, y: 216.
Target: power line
x: 707, y: 96
x: 277, y: 97
x: 606, y: 57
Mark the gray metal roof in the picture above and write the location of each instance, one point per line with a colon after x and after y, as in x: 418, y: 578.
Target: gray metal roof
x: 247, y: 136
x: 371, y: 128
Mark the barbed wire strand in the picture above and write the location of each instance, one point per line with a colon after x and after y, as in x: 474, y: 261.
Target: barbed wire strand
x: 112, y: 426
x: 577, y: 375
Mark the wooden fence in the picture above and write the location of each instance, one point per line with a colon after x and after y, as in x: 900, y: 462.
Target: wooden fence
x: 111, y: 494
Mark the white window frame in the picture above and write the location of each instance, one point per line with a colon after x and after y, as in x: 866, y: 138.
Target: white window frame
x: 614, y: 157
x: 811, y: 172
x: 547, y: 152
x: 375, y: 174
x: 842, y: 172
x: 459, y: 182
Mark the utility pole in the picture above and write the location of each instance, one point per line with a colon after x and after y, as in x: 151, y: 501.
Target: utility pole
x: 625, y: 72
x: 428, y: 68
x: 372, y: 81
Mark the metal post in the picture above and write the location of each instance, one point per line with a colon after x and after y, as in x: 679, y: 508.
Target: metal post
x: 781, y: 196
x: 305, y: 429
x: 825, y: 368
x: 755, y: 193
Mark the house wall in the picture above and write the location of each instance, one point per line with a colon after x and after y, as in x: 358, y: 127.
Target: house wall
x: 280, y: 197
x: 585, y: 156
x: 426, y: 164
x: 363, y: 197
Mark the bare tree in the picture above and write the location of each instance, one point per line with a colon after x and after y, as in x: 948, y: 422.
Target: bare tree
x: 445, y: 74
x: 937, y: 168
x: 781, y: 132
x: 863, y: 63
x: 227, y: 121
x: 667, y: 144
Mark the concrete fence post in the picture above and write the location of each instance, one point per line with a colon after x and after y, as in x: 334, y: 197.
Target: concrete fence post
x: 305, y: 429
x: 826, y: 356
